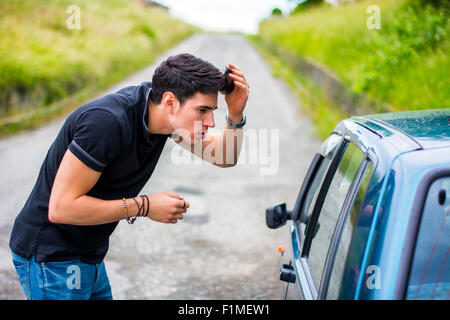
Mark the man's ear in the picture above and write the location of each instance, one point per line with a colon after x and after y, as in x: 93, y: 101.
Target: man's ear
x: 168, y: 102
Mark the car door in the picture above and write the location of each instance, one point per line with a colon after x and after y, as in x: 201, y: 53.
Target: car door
x: 429, y: 274
x: 301, y: 215
x: 317, y: 212
x: 342, y: 268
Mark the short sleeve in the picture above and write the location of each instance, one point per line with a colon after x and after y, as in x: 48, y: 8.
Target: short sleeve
x: 97, y: 139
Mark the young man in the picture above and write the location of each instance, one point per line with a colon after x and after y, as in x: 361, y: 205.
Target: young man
x: 102, y: 157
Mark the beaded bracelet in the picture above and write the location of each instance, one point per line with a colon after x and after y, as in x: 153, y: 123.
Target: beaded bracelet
x: 125, y: 211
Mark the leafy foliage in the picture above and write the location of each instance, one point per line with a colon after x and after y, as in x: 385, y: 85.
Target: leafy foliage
x: 404, y: 64
x: 304, y: 5
x: 276, y: 12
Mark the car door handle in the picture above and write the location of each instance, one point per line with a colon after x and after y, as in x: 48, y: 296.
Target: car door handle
x: 287, y: 273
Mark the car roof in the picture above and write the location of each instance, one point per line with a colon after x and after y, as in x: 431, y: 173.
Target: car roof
x: 428, y: 128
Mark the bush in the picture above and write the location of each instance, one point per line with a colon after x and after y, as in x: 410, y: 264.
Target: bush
x: 404, y: 64
x: 410, y: 35
x: 435, y: 3
x: 307, y: 5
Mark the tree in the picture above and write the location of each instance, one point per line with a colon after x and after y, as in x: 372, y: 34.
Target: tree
x: 276, y: 12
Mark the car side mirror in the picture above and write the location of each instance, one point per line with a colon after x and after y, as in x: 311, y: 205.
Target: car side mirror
x: 277, y: 216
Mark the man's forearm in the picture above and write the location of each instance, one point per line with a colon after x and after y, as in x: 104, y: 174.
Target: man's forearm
x: 87, y: 210
x: 230, y: 143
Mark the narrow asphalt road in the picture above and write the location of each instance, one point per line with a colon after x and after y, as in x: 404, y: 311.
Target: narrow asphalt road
x: 222, y: 249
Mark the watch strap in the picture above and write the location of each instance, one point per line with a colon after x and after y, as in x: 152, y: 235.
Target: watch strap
x: 236, y: 124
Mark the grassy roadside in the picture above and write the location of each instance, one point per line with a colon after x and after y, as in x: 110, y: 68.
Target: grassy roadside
x: 314, y: 101
x: 403, y: 65
x: 47, y: 69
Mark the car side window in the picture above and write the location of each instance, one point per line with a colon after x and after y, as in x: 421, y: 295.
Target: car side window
x: 351, y: 244
x: 430, y: 270
x: 311, y: 196
x: 328, y: 152
x: 331, y: 209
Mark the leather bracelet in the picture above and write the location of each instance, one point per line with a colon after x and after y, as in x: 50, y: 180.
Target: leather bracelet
x: 139, y: 207
x: 145, y: 197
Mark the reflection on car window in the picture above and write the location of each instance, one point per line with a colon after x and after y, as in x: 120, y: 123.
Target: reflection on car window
x: 376, y: 204
x: 350, y: 239
x: 311, y: 197
x: 430, y: 270
x: 314, y: 188
x: 331, y: 208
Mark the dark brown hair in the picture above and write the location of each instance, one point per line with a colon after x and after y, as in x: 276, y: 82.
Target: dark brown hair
x: 184, y: 75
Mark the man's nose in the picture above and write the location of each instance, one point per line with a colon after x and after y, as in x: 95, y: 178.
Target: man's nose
x: 209, y: 121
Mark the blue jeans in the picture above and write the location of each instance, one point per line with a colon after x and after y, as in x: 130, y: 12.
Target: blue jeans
x: 67, y: 280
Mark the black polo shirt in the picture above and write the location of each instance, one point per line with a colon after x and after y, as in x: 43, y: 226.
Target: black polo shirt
x: 110, y: 135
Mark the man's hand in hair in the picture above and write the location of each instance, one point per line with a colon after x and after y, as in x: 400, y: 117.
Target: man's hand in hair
x: 237, y: 99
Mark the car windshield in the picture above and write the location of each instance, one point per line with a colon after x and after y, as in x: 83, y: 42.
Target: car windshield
x: 430, y: 270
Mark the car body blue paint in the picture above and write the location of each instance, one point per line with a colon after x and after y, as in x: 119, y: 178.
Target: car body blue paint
x: 405, y: 148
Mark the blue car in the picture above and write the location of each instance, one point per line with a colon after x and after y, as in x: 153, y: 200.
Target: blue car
x: 372, y: 218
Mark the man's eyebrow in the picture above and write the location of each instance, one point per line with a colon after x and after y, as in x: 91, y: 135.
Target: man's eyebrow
x: 208, y: 107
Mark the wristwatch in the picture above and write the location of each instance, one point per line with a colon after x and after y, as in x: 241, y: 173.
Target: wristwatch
x: 236, y: 124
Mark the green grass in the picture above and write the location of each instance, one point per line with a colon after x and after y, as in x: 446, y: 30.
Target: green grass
x: 314, y: 102
x: 43, y: 62
x: 404, y: 64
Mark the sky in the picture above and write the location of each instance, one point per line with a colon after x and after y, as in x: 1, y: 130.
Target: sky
x: 226, y: 15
